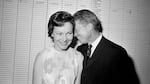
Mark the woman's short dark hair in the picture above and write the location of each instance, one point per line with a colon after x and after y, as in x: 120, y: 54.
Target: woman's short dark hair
x: 59, y: 19
x: 88, y: 16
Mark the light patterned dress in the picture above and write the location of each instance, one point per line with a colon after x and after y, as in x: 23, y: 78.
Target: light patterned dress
x: 61, y: 67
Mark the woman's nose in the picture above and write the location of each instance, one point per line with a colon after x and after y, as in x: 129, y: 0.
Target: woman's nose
x: 64, y: 38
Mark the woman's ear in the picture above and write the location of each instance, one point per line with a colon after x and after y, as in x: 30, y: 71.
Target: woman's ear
x: 52, y: 35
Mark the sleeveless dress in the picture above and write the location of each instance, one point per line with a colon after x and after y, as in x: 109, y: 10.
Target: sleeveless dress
x: 61, y: 67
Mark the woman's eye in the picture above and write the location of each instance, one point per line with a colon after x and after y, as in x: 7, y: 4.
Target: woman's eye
x: 70, y: 33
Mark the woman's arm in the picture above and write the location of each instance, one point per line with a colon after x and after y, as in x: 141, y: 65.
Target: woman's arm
x: 37, y: 70
x: 80, y: 63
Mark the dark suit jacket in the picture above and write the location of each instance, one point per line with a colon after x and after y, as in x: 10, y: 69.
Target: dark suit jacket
x: 110, y: 64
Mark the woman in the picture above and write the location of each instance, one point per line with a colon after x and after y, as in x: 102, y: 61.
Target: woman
x: 59, y: 64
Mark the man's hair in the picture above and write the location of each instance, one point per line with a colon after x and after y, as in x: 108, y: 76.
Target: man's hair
x: 59, y: 19
x: 88, y: 16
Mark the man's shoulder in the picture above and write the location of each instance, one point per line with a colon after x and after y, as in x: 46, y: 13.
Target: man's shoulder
x: 114, y: 50
x: 113, y: 45
x: 82, y: 46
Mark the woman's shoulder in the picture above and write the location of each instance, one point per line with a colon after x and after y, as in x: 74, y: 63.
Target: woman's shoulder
x: 43, y: 53
x: 76, y: 53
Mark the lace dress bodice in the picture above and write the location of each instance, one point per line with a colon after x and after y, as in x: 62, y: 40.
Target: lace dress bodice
x: 60, y: 67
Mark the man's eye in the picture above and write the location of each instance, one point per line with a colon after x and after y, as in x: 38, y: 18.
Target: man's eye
x: 59, y: 33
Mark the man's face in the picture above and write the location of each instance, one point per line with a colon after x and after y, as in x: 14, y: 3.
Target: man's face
x: 82, y: 32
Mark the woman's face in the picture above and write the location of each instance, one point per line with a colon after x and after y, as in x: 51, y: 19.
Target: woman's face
x: 62, y: 36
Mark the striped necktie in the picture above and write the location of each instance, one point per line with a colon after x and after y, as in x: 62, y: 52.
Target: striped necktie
x: 88, y: 52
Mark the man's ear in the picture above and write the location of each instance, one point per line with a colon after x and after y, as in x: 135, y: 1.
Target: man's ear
x: 90, y: 26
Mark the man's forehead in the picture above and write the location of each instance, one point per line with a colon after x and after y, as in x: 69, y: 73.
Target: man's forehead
x: 81, y: 22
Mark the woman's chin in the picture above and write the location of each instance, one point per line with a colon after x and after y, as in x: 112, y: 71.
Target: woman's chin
x: 64, y: 47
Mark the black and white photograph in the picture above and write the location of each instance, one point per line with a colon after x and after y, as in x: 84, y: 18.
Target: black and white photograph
x: 74, y: 41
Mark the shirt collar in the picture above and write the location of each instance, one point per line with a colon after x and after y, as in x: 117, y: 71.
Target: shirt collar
x: 95, y: 43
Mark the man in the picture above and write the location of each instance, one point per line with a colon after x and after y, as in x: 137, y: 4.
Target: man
x: 108, y: 63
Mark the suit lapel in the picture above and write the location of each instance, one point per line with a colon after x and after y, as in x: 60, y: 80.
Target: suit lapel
x: 83, y: 49
x: 97, y: 52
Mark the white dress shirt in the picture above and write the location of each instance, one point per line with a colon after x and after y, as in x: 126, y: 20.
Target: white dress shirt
x: 95, y: 43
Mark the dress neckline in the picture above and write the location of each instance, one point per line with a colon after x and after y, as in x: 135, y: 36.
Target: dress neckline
x: 62, y: 52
